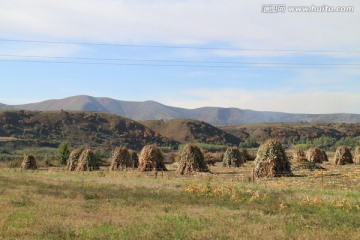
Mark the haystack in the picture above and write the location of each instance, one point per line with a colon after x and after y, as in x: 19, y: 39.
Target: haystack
x: 233, y: 157
x: 151, y: 158
x: 120, y: 159
x: 357, y: 155
x: 73, y: 159
x: 342, y: 156
x: 271, y: 160
x: 134, y: 162
x: 244, y: 155
x: 87, y: 161
x: 315, y: 155
x: 191, y: 160
x: 325, y: 157
x: 28, y: 163
x: 211, y: 158
x: 298, y: 156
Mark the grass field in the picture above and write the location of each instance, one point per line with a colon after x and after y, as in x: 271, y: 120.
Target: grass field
x: 228, y: 204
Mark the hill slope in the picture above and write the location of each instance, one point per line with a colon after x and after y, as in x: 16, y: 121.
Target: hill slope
x: 187, y: 130
x: 150, y: 110
x: 80, y: 128
x: 293, y: 131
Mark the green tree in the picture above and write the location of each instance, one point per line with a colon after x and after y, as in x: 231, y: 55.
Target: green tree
x: 324, y: 141
x: 63, y: 152
x: 249, y: 143
x: 347, y: 141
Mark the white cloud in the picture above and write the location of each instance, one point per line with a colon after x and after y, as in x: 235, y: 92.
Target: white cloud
x: 281, y: 101
x: 39, y: 50
x: 332, y: 79
x: 16, y: 101
x: 238, y: 22
x: 232, y: 23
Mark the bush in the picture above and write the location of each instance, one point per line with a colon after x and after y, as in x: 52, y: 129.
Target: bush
x: 63, y: 153
x: 347, y: 141
x: 249, y: 143
x: 324, y: 142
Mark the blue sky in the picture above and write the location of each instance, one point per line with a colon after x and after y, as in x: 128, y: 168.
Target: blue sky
x: 207, y: 28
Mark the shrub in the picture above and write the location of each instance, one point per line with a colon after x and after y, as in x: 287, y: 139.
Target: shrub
x: 249, y: 143
x: 63, y: 153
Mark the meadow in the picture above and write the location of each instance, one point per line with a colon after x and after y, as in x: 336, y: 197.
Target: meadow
x: 50, y: 203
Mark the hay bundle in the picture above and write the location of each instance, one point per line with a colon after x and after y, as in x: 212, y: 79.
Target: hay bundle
x: 87, y: 161
x: 315, y: 155
x: 73, y: 159
x: 271, y: 160
x: 325, y: 157
x: 357, y: 155
x: 191, y: 160
x: 28, y: 163
x: 134, y: 159
x: 210, y: 158
x: 120, y: 159
x: 233, y: 157
x: 298, y: 156
x: 244, y: 154
x: 151, y: 158
x: 342, y: 156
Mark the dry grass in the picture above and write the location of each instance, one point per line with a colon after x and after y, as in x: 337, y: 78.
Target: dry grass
x: 56, y: 204
x: 7, y: 139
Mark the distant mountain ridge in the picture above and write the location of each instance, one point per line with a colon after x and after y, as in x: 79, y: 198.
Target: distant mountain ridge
x: 151, y: 110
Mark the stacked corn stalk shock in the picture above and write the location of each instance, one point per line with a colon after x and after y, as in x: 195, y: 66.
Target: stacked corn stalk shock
x: 271, y: 160
x: 28, y: 163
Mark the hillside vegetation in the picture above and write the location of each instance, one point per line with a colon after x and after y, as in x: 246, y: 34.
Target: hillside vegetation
x: 294, y: 132
x: 188, y: 130
x: 39, y: 129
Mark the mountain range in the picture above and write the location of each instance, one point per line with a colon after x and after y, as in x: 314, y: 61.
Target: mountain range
x: 151, y: 110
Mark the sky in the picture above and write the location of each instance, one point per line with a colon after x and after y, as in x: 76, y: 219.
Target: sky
x: 184, y: 53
